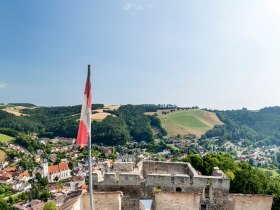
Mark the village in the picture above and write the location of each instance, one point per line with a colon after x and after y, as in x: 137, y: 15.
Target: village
x: 62, y: 169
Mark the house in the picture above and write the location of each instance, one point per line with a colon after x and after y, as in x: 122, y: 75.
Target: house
x: 37, y: 158
x: 23, y: 176
x: 52, y: 157
x: 53, y: 188
x: 59, y: 200
x: 76, y: 182
x: 32, y: 205
x: 4, y: 164
x: 5, y: 180
x: 22, y: 186
x: 56, y: 172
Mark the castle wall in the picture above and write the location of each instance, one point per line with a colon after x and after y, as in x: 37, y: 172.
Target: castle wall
x: 182, y: 180
x: 178, y: 201
x: 249, y: 202
x: 174, y: 178
x: 107, y: 200
x: 129, y: 179
x: 158, y: 167
x: 119, y: 167
x: 159, y: 179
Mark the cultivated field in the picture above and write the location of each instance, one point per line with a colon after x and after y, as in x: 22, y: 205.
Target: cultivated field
x: 5, y: 138
x: 100, y: 115
x: 15, y: 110
x: 192, y: 121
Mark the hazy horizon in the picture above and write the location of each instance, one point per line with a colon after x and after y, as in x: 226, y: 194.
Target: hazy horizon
x: 216, y: 55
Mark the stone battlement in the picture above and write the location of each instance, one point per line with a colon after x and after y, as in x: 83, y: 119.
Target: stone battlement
x: 159, y: 174
x: 172, y: 186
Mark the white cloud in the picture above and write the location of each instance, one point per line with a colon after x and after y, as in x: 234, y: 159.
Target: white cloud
x: 127, y: 7
x: 2, y: 85
x: 131, y: 7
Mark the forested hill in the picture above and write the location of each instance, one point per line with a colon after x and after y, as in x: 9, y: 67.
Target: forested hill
x: 261, y: 127
x: 129, y: 122
x: 126, y: 123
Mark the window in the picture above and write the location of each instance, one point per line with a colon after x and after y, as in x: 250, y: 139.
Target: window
x: 178, y: 189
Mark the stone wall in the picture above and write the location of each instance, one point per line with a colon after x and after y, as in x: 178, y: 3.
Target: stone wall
x: 165, y: 177
x: 129, y: 179
x: 108, y: 200
x: 159, y: 167
x: 178, y: 201
x: 249, y: 202
x: 119, y: 167
x: 159, y: 179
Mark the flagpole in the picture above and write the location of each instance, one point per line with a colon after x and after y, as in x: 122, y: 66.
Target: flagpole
x: 89, y: 153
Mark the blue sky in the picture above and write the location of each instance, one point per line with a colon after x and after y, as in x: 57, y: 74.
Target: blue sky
x: 214, y: 54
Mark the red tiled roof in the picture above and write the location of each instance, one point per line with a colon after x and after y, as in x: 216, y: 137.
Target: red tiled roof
x: 63, y: 166
x: 53, y: 169
x: 57, y: 168
x: 3, y: 178
x: 84, y: 187
x: 11, y: 169
x: 25, y: 173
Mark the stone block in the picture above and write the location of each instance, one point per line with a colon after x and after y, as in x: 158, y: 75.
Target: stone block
x: 129, y: 179
x: 159, y: 180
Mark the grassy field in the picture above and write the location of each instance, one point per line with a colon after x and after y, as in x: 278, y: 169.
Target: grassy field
x: 192, y: 121
x: 5, y: 138
x: 16, y: 110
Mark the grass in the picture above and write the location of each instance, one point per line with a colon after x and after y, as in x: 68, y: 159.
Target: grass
x: 192, y: 121
x: 274, y: 172
x: 5, y: 138
x: 172, y: 146
x: 15, y: 110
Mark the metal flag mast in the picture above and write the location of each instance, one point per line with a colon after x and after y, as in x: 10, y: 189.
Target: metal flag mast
x: 89, y: 148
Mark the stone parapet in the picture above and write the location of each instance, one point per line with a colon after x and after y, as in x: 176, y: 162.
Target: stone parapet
x: 159, y: 180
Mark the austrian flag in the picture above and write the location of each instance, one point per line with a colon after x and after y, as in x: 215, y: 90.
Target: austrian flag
x: 84, y: 132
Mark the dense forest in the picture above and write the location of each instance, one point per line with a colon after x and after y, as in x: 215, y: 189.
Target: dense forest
x: 260, y: 127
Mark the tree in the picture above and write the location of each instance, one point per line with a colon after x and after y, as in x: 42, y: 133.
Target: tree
x: 50, y: 206
x: 44, y: 181
x: 3, y: 204
x: 44, y: 195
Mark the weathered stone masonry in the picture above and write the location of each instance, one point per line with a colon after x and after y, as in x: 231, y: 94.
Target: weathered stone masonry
x: 149, y: 177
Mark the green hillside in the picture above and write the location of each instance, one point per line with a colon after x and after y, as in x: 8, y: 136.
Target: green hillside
x: 261, y: 127
x: 192, y: 121
x: 5, y: 138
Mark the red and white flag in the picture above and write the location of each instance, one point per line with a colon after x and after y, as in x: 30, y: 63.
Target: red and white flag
x: 85, y: 121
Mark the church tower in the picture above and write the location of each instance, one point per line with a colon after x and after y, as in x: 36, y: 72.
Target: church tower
x: 45, y: 168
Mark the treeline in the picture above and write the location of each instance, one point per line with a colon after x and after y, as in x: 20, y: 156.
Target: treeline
x: 22, y: 104
x: 129, y: 122
x: 244, y: 178
x: 261, y: 127
x: 126, y: 123
x: 22, y: 139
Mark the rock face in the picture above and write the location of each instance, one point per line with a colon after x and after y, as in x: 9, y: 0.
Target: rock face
x: 172, y: 186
